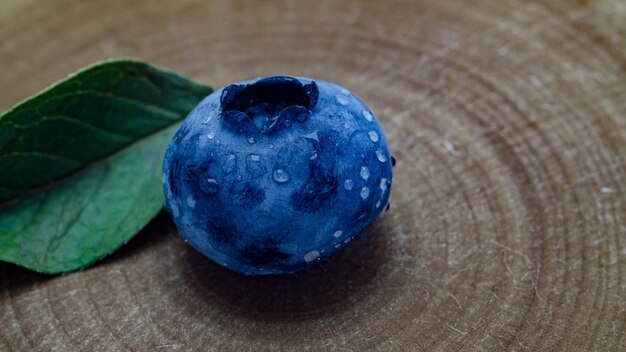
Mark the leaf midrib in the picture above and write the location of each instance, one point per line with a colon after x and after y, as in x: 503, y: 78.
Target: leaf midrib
x: 84, y: 168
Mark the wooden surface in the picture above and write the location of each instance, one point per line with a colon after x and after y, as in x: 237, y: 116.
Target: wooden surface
x: 508, y: 222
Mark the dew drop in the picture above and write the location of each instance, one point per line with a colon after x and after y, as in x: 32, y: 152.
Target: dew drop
x: 312, y: 135
x: 338, y: 233
x: 373, y: 136
x: 365, y: 172
x: 210, y: 135
x: 380, y: 155
x: 368, y: 115
x: 345, y: 91
x: 337, y: 245
x: 383, y: 184
x: 378, y: 204
x: 206, y: 122
x: 251, y: 140
x: 281, y: 176
x: 253, y: 166
x: 191, y: 201
x: 271, y: 146
x: 230, y: 164
x: 209, y: 185
x: 342, y: 100
x: 175, y: 210
x: 365, y: 192
x: 348, y: 184
x: 314, y: 156
x: 163, y: 178
x: 311, y: 256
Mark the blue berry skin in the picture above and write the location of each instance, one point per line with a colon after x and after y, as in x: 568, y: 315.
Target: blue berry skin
x: 271, y: 175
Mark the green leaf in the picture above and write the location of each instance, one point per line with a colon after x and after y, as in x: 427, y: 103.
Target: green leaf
x: 90, y: 214
x: 80, y: 163
x: 86, y: 117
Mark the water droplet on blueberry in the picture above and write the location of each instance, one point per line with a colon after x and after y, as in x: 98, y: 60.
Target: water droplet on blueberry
x: 191, y: 201
x: 380, y: 155
x: 254, y: 167
x: 209, y: 185
x: 206, y: 122
x: 373, y: 136
x: 365, y: 192
x: 365, y: 172
x: 311, y: 256
x: 368, y: 115
x: 342, y: 100
x: 348, y: 184
x: 174, y: 209
x: 230, y: 164
x: 312, y: 135
x: 281, y: 176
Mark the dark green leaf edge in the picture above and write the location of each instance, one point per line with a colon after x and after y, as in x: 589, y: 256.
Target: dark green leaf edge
x: 48, y: 93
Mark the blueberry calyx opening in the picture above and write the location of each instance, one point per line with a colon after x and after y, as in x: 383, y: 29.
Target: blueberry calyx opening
x: 268, y: 105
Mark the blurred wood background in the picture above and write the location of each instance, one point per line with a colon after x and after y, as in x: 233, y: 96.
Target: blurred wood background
x: 508, y: 222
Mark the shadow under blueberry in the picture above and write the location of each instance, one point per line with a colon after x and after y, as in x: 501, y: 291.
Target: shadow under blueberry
x: 325, y: 289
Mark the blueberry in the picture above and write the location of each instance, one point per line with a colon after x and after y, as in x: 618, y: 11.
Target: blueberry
x: 271, y: 175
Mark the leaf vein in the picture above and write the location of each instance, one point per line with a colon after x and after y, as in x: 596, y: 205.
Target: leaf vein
x: 41, y: 155
x: 70, y: 118
x: 54, y: 241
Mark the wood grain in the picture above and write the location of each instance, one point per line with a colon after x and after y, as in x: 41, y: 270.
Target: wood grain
x: 508, y: 222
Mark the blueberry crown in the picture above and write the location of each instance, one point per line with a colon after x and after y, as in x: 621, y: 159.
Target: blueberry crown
x: 267, y: 105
